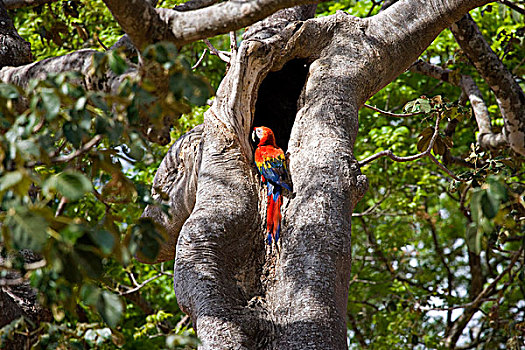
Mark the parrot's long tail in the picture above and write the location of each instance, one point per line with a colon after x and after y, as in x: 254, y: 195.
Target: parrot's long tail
x: 273, y: 213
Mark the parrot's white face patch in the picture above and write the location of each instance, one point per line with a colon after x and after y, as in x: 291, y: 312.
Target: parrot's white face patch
x: 259, y: 133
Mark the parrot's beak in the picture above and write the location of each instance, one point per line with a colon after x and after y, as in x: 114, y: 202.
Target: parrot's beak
x: 253, y: 135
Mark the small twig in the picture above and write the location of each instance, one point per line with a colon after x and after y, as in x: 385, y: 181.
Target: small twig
x: 161, y: 271
x: 374, y: 4
x: 182, y: 322
x: 390, y: 113
x: 515, y: 70
x: 463, y: 306
x: 223, y: 55
x: 86, y: 147
x: 64, y: 159
x: 139, y: 286
x: 364, y: 303
x: 39, y: 126
x: 426, y: 153
x: 357, y: 332
x: 374, y: 207
x: 390, y: 154
x: 28, y: 266
x: 61, y: 206
x: 444, y: 168
x: 35, y: 265
x: 102, y: 44
x: 200, y: 59
x: 132, y: 278
x: 459, y: 324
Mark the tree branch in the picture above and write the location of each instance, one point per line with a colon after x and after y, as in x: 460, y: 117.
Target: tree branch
x: 140, y: 21
x: 199, y: 61
x: 223, y: 55
x: 405, y: 29
x: 355, y: 328
x: 194, y: 5
x: 144, y: 24
x: 426, y: 153
x: 513, y: 6
x: 509, y: 95
x: 462, y: 321
x: 486, y: 138
x: 390, y: 114
x: 14, y: 50
x: 64, y: 159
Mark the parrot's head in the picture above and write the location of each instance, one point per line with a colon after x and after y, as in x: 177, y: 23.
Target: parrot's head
x: 264, y: 135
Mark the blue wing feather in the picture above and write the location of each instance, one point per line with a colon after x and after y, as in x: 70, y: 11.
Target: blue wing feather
x: 274, y: 171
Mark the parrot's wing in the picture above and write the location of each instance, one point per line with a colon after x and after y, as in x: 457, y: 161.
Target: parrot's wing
x: 274, y: 170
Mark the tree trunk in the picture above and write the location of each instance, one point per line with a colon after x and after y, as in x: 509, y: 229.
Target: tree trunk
x: 306, y: 79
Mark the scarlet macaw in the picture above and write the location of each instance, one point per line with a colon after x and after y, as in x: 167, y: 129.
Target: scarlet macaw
x: 271, y: 162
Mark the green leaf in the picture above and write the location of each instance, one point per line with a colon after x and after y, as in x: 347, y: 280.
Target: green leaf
x: 424, y: 105
x: 88, y: 262
x: 10, y: 179
x: 116, y: 63
x: 110, y: 308
x: 497, y: 189
x: 473, y: 236
x: 70, y: 184
x: 73, y: 232
x: 489, y: 205
x: 98, y: 102
x: 146, y: 239
x: 196, y: 90
x: 104, y: 239
x: 28, y: 229
x: 28, y: 147
x: 51, y: 102
x: 8, y: 91
x: 73, y: 134
x: 90, y: 294
x: 135, y: 149
x: 475, y: 205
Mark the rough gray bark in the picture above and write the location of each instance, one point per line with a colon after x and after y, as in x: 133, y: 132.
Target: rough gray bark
x: 18, y: 299
x: 175, y: 184
x: 144, y: 24
x: 14, y: 51
x: 487, y: 138
x: 239, y: 294
x: 509, y: 95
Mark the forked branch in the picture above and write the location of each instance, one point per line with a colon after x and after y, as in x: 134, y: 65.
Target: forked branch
x: 426, y: 153
x: 461, y: 322
x: 487, y: 138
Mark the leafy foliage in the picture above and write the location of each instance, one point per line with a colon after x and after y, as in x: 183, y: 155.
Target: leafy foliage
x: 74, y: 177
x: 430, y: 243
